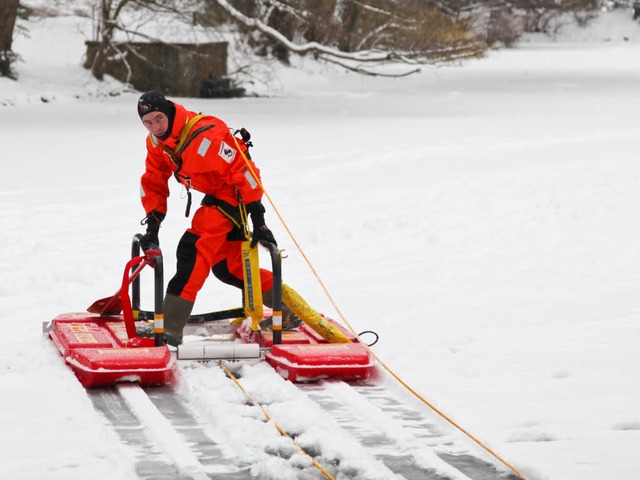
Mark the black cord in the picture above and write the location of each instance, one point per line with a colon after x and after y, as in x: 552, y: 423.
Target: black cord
x: 377, y: 337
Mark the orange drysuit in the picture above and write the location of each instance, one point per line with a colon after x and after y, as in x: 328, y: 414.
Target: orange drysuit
x: 209, y: 163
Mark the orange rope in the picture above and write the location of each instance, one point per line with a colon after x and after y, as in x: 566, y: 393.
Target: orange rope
x: 447, y: 418
x: 268, y: 417
x: 346, y: 322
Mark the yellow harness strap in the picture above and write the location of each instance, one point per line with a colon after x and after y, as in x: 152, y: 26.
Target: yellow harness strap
x: 252, y: 285
x: 186, y: 130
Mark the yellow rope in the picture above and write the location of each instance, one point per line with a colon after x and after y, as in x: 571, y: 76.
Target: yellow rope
x: 346, y: 322
x: 447, y: 418
x: 269, y: 419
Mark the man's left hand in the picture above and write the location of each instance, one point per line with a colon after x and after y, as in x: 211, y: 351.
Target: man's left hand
x: 263, y: 235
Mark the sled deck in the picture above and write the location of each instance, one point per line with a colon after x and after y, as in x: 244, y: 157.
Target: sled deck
x: 304, y: 356
x: 307, y: 363
x: 100, y: 353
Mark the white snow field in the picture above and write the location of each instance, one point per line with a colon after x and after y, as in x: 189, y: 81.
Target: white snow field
x: 483, y: 218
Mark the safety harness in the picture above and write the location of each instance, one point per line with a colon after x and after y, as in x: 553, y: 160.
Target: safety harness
x: 237, y: 215
x: 185, y: 139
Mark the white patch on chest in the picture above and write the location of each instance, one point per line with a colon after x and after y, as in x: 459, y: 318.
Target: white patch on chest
x: 204, y: 147
x: 227, y: 153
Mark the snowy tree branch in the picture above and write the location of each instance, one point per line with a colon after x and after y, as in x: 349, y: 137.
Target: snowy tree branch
x: 310, y: 47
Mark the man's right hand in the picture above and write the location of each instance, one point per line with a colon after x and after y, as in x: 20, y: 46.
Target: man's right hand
x: 150, y: 238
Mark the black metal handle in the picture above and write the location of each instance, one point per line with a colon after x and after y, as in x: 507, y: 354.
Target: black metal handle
x: 158, y: 292
x: 135, y: 285
x: 276, y: 269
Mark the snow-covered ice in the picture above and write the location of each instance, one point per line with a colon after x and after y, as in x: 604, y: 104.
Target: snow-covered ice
x: 482, y: 218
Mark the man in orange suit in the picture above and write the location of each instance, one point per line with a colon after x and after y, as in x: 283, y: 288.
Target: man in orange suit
x: 202, y: 154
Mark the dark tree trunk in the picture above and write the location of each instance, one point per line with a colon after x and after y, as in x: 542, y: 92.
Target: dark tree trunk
x: 8, y: 14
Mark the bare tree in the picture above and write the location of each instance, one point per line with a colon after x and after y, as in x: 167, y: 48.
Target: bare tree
x: 109, y: 22
x: 8, y: 15
x: 358, y: 34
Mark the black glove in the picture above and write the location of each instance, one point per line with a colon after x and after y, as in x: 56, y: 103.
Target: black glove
x: 261, y: 232
x: 150, y: 238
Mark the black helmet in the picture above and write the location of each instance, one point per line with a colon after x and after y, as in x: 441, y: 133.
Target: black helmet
x: 154, y: 101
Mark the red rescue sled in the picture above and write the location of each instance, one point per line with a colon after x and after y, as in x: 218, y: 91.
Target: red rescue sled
x: 100, y: 353
x: 102, y: 347
x: 304, y: 356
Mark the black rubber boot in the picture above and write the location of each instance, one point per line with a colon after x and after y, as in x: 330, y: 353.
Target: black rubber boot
x: 176, y: 315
